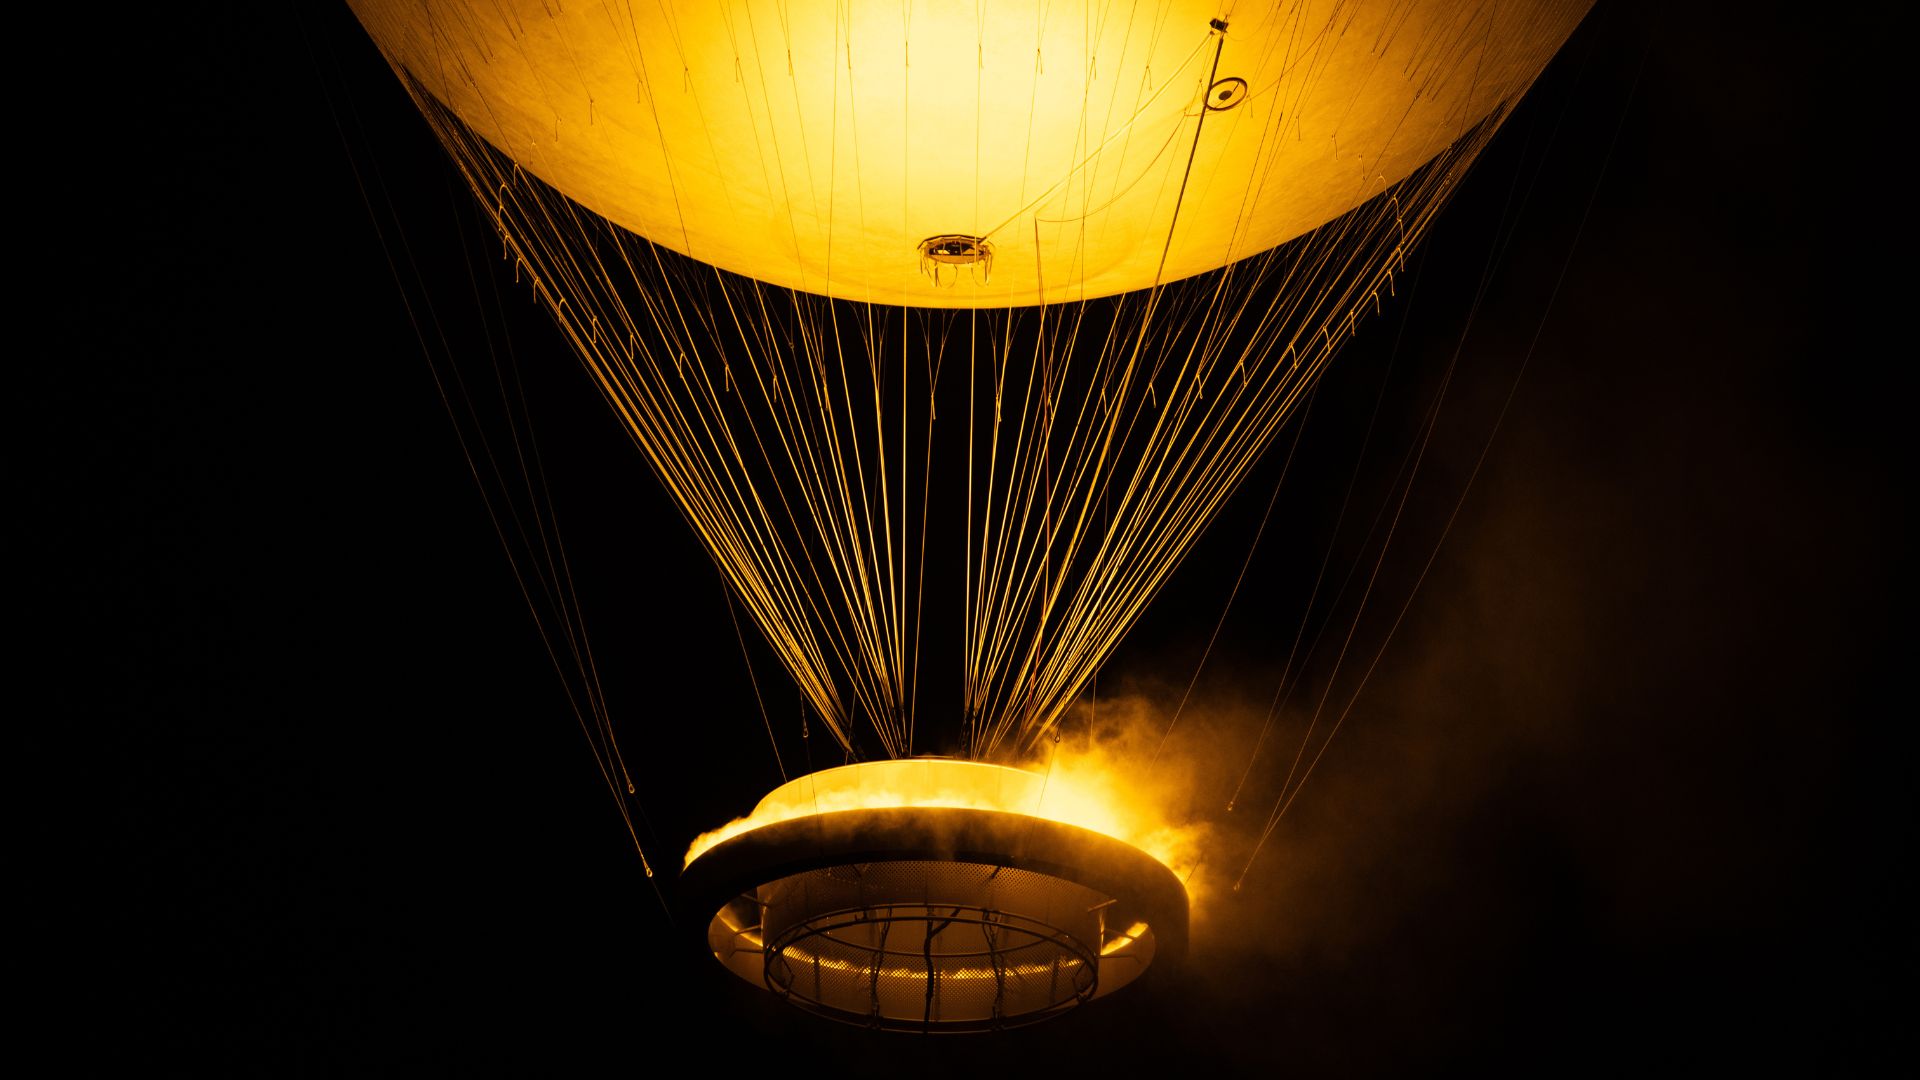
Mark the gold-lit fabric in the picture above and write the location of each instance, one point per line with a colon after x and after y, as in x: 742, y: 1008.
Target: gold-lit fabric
x: 817, y: 145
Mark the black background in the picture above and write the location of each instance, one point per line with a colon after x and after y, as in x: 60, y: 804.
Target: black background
x: 1624, y: 792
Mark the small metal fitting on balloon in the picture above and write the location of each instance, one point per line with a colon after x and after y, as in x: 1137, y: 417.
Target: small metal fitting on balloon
x: 1226, y: 93
x: 955, y: 249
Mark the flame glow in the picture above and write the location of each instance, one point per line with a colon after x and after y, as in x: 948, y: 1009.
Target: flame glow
x: 1116, y: 944
x: 1075, y: 790
x: 917, y: 976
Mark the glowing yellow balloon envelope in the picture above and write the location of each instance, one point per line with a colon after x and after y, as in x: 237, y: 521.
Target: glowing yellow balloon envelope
x: 987, y: 154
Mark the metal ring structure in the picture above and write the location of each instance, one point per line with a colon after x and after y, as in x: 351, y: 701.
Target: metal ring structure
x: 955, y: 249
x: 934, y: 919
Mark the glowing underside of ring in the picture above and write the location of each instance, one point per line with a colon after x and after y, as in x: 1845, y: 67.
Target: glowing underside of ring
x: 1115, y: 945
x: 800, y: 956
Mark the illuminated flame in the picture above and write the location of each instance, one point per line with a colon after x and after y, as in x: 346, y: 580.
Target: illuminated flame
x: 1080, y: 791
x: 1115, y: 944
x: 801, y: 959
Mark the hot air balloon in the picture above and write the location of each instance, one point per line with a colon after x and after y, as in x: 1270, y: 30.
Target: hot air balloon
x: 1039, y: 280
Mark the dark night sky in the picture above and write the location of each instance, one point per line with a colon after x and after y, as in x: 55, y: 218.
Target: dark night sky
x: 1623, y: 793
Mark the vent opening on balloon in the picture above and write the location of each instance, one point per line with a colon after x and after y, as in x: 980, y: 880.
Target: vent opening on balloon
x: 956, y: 250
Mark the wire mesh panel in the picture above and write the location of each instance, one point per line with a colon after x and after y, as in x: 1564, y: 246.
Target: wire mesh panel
x: 932, y: 945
